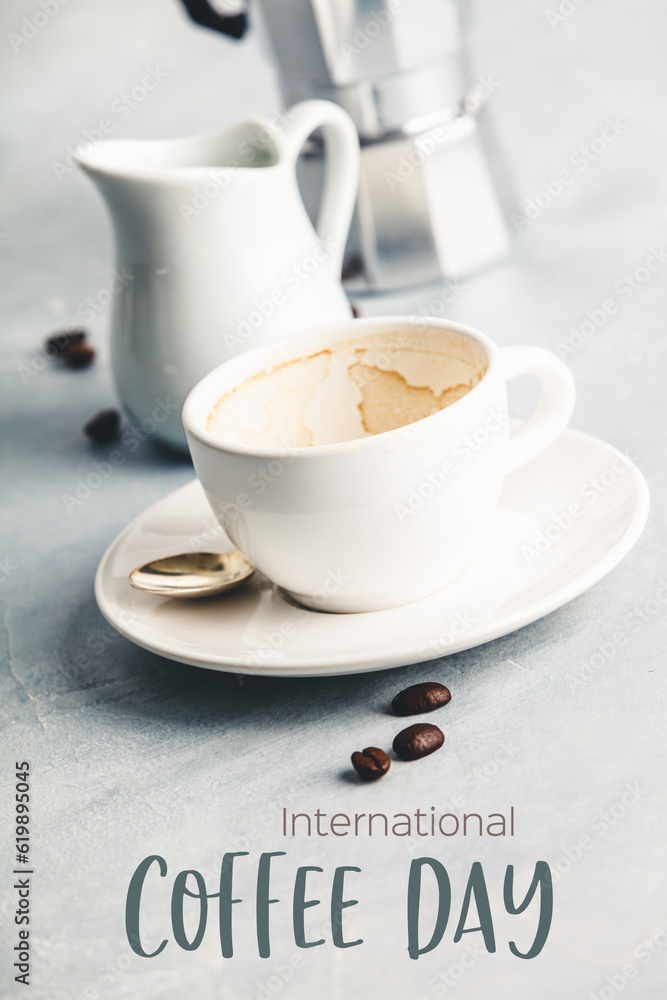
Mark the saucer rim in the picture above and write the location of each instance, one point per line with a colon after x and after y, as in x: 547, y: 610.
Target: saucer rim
x: 352, y: 663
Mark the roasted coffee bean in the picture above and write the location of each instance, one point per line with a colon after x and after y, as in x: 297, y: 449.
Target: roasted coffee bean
x: 104, y: 427
x: 60, y: 342
x: 353, y: 266
x: 418, y: 741
x: 371, y: 763
x: 420, y: 698
x: 78, y: 356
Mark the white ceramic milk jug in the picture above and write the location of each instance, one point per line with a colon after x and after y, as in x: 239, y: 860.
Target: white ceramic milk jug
x: 215, y: 249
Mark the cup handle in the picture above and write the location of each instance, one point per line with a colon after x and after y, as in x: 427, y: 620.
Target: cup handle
x: 341, y: 169
x: 554, y: 408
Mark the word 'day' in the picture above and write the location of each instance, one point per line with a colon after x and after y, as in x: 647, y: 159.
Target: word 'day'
x: 476, y: 888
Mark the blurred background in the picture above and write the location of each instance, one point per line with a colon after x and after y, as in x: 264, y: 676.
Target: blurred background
x: 556, y: 79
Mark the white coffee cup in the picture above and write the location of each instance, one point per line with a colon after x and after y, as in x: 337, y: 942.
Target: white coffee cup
x: 381, y: 520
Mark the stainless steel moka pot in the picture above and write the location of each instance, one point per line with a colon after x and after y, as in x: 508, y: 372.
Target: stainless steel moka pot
x: 428, y: 205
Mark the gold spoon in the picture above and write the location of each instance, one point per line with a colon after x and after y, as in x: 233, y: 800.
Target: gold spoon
x: 193, y: 574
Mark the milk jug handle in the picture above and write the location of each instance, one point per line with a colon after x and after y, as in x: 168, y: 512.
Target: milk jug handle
x: 341, y: 167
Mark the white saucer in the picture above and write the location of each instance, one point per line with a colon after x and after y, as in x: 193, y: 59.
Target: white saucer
x: 255, y: 630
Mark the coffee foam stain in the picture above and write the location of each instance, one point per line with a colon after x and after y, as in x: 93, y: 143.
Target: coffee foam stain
x: 390, y: 400
x: 232, y: 416
x: 353, y: 390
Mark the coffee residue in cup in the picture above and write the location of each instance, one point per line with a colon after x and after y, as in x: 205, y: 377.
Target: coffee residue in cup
x: 389, y: 401
x: 351, y: 390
